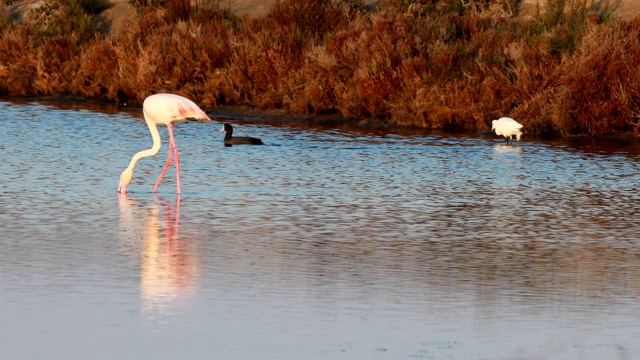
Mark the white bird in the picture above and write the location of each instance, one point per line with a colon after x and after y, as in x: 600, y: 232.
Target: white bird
x: 507, y: 127
x: 163, y: 109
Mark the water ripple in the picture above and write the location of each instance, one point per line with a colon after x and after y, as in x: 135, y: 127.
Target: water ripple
x: 340, y: 243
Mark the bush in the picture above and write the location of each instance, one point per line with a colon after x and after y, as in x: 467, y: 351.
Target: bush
x: 427, y: 63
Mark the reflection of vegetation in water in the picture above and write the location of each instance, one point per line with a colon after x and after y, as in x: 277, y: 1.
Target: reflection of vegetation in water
x: 446, y: 64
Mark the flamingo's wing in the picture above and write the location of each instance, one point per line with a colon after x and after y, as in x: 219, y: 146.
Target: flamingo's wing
x: 169, y: 108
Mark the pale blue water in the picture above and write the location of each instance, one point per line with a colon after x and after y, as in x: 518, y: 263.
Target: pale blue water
x: 322, y: 244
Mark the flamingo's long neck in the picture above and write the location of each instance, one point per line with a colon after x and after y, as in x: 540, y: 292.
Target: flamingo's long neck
x: 155, y: 135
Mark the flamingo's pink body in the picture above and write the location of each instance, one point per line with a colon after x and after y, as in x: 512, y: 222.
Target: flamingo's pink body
x: 163, y: 109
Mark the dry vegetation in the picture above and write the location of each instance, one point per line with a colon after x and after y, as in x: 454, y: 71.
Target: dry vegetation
x: 446, y: 64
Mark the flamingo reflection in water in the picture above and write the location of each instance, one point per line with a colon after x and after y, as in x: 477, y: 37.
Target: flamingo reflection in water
x: 170, y: 267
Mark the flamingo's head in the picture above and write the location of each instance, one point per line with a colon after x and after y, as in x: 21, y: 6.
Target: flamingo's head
x: 125, y: 179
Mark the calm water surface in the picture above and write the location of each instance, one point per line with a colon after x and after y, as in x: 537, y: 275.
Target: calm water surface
x: 325, y: 243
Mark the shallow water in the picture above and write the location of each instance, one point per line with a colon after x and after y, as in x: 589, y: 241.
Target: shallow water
x: 325, y: 243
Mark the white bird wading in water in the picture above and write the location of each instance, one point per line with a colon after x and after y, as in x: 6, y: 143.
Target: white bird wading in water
x: 507, y: 127
x: 163, y: 109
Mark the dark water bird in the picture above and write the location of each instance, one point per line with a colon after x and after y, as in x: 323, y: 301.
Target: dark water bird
x: 229, y: 139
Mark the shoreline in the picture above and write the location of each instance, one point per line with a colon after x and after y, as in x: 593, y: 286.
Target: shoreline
x: 247, y: 114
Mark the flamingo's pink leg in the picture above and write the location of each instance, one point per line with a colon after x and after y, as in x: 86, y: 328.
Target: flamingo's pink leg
x: 177, y: 160
x: 172, y: 145
x: 164, y: 170
x: 173, y: 150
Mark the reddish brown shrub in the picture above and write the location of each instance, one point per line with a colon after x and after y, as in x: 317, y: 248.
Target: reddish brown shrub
x: 416, y: 63
x: 602, y: 90
x: 17, y: 68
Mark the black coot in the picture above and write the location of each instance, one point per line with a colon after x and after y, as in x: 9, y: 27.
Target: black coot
x: 229, y: 139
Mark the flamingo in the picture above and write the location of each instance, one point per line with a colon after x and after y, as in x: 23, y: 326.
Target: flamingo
x: 507, y: 127
x: 162, y: 109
